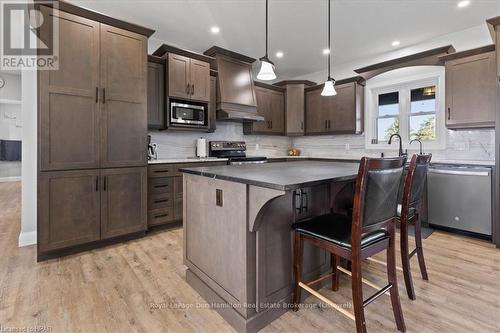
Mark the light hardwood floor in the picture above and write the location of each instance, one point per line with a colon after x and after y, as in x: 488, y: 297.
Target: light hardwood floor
x: 136, y: 286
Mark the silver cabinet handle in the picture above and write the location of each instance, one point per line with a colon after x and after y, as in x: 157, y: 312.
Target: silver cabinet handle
x: 460, y: 172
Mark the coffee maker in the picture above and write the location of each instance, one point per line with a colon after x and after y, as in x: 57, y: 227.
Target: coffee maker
x: 152, y: 150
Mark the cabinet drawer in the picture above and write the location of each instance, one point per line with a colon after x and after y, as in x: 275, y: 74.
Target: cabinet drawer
x: 162, y: 200
x: 160, y: 216
x: 160, y: 170
x: 160, y: 185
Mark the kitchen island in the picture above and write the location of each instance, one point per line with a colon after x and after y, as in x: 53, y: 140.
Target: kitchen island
x: 237, y: 235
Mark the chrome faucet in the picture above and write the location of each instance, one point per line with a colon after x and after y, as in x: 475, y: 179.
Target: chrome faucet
x: 400, y: 143
x: 420, y: 143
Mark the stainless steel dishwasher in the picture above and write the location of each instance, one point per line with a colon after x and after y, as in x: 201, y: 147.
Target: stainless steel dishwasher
x: 460, y: 198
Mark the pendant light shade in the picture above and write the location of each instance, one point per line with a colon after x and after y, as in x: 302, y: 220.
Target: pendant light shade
x: 329, y: 87
x: 266, y: 72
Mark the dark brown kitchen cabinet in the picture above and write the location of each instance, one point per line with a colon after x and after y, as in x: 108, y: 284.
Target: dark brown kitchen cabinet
x: 270, y: 105
x: 188, y: 78
x: 156, y: 92
x: 124, y: 105
x: 165, y: 189
x: 339, y: 114
x: 78, y: 207
x: 123, y: 201
x: 471, y: 91
x: 212, y: 105
x: 93, y: 108
x: 69, y: 204
x: 69, y: 114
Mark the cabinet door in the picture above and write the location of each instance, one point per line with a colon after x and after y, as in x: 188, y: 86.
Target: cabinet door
x: 263, y: 106
x: 124, y: 104
x: 68, y: 105
x: 277, y: 112
x: 200, y: 80
x: 294, y: 107
x: 315, y: 112
x: 178, y: 70
x: 68, y: 209
x: 342, y: 113
x: 178, y: 190
x: 212, y: 105
x: 471, y: 91
x: 123, y: 201
x: 156, y: 94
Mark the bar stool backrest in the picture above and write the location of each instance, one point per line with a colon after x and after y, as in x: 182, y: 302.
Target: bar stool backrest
x: 415, y: 180
x: 376, y: 196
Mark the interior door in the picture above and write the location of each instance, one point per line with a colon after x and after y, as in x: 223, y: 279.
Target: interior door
x: 178, y: 71
x: 124, y: 102
x: 123, y: 201
x: 68, y: 211
x: 68, y: 97
x: 263, y: 106
x: 200, y: 80
x: 277, y: 111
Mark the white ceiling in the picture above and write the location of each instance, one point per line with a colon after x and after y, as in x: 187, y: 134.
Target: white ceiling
x: 360, y: 28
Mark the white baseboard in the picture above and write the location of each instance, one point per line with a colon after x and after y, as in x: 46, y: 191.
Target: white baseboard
x: 27, y: 238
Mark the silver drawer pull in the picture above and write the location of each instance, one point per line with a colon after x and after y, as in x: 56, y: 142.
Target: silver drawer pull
x: 459, y: 172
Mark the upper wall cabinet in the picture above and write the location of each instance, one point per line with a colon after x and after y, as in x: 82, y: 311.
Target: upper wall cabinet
x: 339, y: 114
x: 188, y: 78
x: 471, y: 88
x: 156, y: 92
x: 92, y: 110
x: 294, y: 105
x: 271, y: 106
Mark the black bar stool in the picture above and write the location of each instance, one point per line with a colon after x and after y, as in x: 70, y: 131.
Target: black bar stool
x: 371, y: 230
x: 408, y: 214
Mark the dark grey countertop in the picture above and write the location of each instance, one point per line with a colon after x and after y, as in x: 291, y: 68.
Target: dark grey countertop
x: 281, y: 175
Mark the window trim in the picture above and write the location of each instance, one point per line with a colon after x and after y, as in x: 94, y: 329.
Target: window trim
x: 404, y: 84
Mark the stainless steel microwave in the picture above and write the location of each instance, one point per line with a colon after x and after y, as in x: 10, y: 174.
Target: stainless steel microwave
x: 188, y: 114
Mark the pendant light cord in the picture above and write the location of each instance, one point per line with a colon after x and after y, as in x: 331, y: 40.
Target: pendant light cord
x: 329, y: 41
x: 267, y: 25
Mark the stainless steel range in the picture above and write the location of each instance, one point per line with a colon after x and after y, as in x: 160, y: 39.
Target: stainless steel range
x: 235, y: 151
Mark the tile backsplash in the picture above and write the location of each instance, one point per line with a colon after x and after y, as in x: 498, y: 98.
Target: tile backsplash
x: 474, y: 145
x: 181, y: 144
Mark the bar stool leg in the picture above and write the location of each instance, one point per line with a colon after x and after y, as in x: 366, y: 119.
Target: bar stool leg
x: 298, y: 247
x: 420, y: 252
x: 335, y: 277
x: 357, y: 295
x: 393, y: 279
x: 405, y: 259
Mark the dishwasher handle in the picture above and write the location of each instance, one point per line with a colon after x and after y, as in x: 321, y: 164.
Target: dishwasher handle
x: 460, y: 172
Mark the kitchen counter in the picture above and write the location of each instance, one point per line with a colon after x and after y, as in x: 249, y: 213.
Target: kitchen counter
x: 185, y: 160
x: 281, y: 175
x: 237, y: 225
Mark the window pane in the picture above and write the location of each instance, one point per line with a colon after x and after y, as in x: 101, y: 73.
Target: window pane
x: 386, y: 127
x: 388, y: 104
x: 423, y: 99
x: 423, y: 127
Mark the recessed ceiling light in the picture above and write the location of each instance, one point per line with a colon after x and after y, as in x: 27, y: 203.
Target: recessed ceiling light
x: 279, y: 54
x: 396, y: 43
x: 326, y: 51
x: 463, y: 3
x: 215, y: 30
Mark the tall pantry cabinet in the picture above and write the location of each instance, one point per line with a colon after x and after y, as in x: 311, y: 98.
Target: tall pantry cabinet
x: 92, y: 132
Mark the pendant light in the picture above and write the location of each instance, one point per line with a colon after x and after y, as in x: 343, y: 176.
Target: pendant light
x: 329, y: 88
x: 266, y: 72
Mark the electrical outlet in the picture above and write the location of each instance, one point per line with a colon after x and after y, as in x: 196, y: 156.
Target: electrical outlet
x: 347, y: 146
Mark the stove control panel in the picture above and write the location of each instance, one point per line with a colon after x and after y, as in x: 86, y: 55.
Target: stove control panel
x: 227, y: 145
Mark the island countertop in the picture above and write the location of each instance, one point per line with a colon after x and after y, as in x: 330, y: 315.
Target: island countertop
x: 281, y: 175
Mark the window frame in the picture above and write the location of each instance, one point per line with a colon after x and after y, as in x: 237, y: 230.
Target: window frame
x: 403, y: 84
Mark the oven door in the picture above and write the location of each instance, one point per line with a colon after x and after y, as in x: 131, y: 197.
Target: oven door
x: 187, y: 114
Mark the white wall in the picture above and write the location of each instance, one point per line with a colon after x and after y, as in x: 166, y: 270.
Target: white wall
x: 29, y: 158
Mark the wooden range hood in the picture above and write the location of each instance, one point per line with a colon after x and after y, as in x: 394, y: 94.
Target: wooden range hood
x: 236, y: 99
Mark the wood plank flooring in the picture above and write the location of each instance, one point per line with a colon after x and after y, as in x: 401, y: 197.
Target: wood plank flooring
x: 139, y: 286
